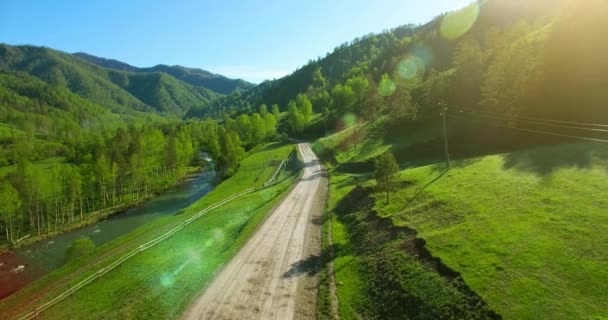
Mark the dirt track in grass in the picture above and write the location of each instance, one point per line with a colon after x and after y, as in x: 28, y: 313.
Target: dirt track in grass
x: 274, y: 275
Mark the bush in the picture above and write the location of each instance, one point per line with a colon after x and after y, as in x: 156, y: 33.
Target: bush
x: 79, y: 248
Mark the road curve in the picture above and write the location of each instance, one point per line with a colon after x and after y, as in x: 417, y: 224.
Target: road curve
x: 268, y: 277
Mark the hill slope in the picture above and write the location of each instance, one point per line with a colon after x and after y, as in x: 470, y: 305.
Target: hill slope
x: 119, y: 91
x: 196, y: 77
x: 373, y: 55
x: 530, y: 222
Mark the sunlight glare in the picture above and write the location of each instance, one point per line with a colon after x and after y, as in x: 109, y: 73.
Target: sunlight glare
x: 411, y: 67
x: 457, y: 23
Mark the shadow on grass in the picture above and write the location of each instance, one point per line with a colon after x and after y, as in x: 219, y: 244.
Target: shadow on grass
x: 544, y: 161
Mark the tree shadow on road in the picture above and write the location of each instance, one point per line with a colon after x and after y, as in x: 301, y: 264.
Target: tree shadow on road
x: 313, y: 264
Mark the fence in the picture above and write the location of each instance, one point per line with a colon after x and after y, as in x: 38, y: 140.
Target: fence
x: 99, y: 273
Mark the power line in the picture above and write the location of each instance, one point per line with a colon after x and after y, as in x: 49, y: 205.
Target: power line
x: 529, y: 130
x: 538, y: 119
x: 507, y: 118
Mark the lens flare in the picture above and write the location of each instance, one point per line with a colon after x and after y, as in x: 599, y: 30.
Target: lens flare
x: 457, y: 23
x: 167, y: 280
x: 386, y: 87
x: 411, y: 67
x: 424, y: 54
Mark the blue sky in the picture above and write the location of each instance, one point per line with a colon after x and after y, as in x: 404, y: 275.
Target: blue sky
x: 254, y: 40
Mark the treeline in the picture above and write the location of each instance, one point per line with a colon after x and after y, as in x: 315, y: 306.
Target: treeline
x: 517, y: 59
x: 110, y: 171
x: 65, y: 159
x: 103, y: 173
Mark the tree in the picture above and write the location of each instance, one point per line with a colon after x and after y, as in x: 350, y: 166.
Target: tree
x: 244, y: 128
x: 305, y: 107
x: 9, y: 204
x: 343, y: 98
x: 320, y: 100
x: 360, y: 87
x: 573, y: 82
x: 371, y: 108
x: 469, y: 66
x: 386, y: 87
x: 258, y: 128
x: 401, y: 104
x: 270, y: 124
x: 275, y: 110
x: 295, y: 119
x: 318, y: 80
x: 263, y: 109
x: 231, y: 153
x: 505, y: 89
x: 387, y: 173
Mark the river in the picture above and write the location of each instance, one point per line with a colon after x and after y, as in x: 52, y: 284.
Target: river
x: 28, y: 263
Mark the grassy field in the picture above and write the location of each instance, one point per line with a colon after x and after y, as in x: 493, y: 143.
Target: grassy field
x: 160, y: 282
x: 376, y: 275
x: 533, y: 223
x: 348, y: 288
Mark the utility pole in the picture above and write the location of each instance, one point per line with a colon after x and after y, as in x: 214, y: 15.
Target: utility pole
x: 444, y: 110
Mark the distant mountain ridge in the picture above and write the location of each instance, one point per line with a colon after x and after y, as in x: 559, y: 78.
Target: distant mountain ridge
x: 194, y: 76
x: 119, y: 91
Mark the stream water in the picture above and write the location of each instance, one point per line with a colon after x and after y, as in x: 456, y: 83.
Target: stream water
x: 28, y: 263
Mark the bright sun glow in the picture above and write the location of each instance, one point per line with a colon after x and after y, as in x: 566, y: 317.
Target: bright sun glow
x: 457, y: 23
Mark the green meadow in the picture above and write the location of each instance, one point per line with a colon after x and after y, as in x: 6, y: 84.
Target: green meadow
x: 160, y: 283
x: 533, y: 223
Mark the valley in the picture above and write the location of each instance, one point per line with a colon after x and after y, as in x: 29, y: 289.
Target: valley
x: 450, y: 165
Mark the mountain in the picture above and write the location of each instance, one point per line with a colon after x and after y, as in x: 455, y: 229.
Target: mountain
x: 120, y: 91
x: 106, y: 63
x: 373, y: 55
x: 196, y: 77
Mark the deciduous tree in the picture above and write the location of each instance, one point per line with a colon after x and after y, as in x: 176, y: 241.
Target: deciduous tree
x: 386, y: 173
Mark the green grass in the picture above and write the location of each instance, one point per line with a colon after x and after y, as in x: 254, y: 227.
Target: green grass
x: 160, y: 282
x: 526, y: 230
x: 376, y: 277
x: 8, y: 131
x: 532, y: 223
x: 348, y: 283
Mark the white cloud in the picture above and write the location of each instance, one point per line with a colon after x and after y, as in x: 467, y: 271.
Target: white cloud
x: 249, y: 73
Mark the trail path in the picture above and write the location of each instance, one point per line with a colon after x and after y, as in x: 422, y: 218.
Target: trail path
x: 273, y: 275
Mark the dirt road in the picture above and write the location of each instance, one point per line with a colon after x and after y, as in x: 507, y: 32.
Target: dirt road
x: 273, y: 275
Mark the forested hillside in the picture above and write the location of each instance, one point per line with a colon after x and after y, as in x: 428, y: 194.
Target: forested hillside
x: 430, y: 215
x: 119, y: 91
x: 66, y: 160
x: 497, y: 56
x: 80, y: 141
x: 193, y: 76
x: 520, y: 84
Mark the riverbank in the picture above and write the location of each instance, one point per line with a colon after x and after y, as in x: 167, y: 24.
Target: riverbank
x: 203, y: 247
x: 21, y: 266
x: 101, y: 215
